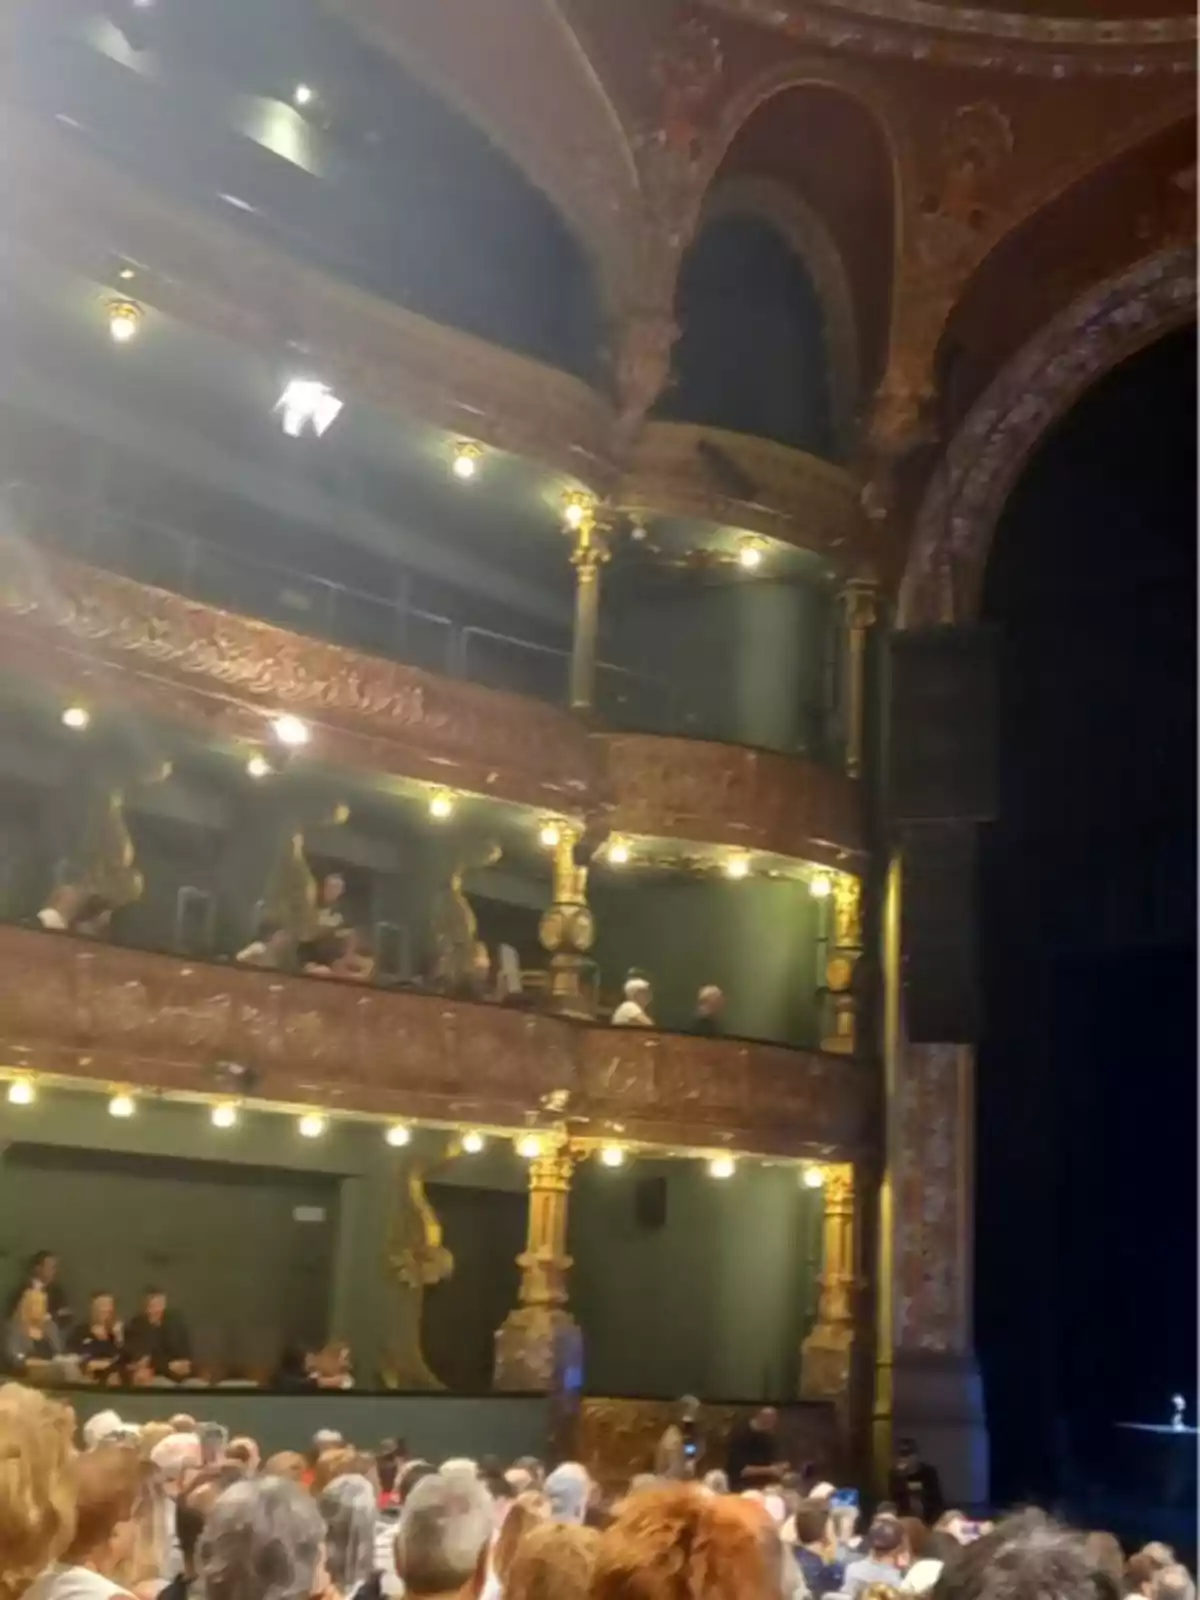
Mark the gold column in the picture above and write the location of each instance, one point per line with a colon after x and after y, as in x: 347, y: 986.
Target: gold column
x: 885, y: 1272
x: 840, y: 1034
x: 567, y: 929
x: 861, y: 610
x: 827, y: 1354
x: 538, y: 1345
x: 589, y: 554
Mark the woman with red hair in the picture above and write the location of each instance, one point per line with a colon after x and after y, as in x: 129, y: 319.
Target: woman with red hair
x: 681, y: 1543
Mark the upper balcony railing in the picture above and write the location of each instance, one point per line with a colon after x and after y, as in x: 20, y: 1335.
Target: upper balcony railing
x: 386, y: 625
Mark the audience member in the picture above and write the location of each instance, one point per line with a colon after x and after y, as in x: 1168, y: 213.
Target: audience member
x: 1027, y: 1557
x: 34, y: 1342
x: 191, y: 1513
x: 1107, y: 1559
x: 262, y: 1540
x: 272, y: 948
x: 567, y: 1489
x: 107, y: 1482
x: 554, y: 1561
x: 1172, y: 1583
x: 634, y: 1010
x: 177, y: 1457
x: 37, y: 1491
x: 41, y: 1272
x: 443, y: 1537
x: 925, y: 1551
x: 710, y: 1006
x: 104, y: 1425
x: 354, y: 961
x: 93, y: 920
x: 100, y: 1341
x: 881, y: 1564
x: 753, y: 1457
x: 289, y: 1464
x: 678, y: 1543
x: 680, y: 1448
x: 142, y: 1570
x: 62, y: 907
x: 156, y: 1341
x: 330, y: 910
x: 348, y: 1509
x: 815, y: 1548
x: 914, y: 1484
x: 245, y: 1453
x: 528, y: 1511
x: 317, y: 956
x: 414, y: 1472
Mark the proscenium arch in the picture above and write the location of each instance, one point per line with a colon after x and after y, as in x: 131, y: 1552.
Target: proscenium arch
x: 802, y: 229
x: 952, y: 534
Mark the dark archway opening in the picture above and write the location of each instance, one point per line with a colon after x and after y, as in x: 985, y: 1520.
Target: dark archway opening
x: 1086, y: 1217
x: 752, y: 354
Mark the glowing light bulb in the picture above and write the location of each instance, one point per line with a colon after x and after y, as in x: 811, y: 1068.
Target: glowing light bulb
x: 21, y: 1092
x: 611, y: 1155
x: 575, y: 511
x: 441, y: 805
x: 814, y: 1178
x: 398, y: 1136
x: 124, y: 319
x: 290, y: 730
x: 473, y: 1143
x: 121, y: 1105
x: 224, y: 1116
x: 312, y: 1125
x: 737, y: 867
x: 259, y: 767
x: 618, y: 854
x: 722, y: 1167
x: 821, y: 887
x: 550, y: 835
x: 307, y: 403
x: 465, y: 461
x: 750, y: 556
x: 529, y: 1147
x: 76, y: 718
x: 302, y: 95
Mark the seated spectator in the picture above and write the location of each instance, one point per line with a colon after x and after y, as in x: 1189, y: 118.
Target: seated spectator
x: 294, y: 1373
x: 107, y: 1483
x: 317, y: 956
x: 142, y: 1569
x: 192, y: 1511
x: 727, y: 1552
x: 288, y: 1464
x: 330, y: 908
x: 262, y: 1540
x: 567, y: 1489
x: 37, y: 1490
x: 479, y: 985
x: 1140, y: 1572
x: 332, y: 1366
x: 443, y: 1536
x: 634, y: 1010
x: 34, y: 1342
x: 881, y: 1564
x: 156, y: 1341
x: 41, y: 1272
x: 354, y: 962
x: 1028, y: 1557
x: 94, y: 918
x: 1172, y: 1583
x: 528, y: 1511
x: 178, y: 1457
x: 348, y: 1509
x: 710, y: 1004
x: 1107, y: 1560
x: 62, y: 907
x: 103, y: 1426
x: 815, y: 1549
x: 100, y: 1341
x: 509, y: 983
x: 272, y: 947
x: 245, y: 1453
x: 926, y: 1561
x: 555, y: 1560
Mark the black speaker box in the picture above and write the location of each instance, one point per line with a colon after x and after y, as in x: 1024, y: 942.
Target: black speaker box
x: 939, y: 934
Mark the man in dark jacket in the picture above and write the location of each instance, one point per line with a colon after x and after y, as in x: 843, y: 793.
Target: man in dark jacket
x: 914, y: 1485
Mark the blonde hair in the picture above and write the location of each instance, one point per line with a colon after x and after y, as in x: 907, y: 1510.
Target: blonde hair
x: 151, y: 1538
x: 105, y: 1481
x: 30, y: 1297
x: 553, y: 1562
x: 37, y: 1496
x: 525, y: 1514
x: 151, y: 1435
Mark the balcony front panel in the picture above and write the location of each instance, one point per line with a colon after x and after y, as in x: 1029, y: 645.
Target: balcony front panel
x: 152, y: 1022
x: 695, y: 790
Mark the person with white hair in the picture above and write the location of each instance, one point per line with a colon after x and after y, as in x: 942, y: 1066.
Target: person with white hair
x: 443, y: 1538
x: 459, y: 1464
x: 634, y: 1010
x: 567, y: 1489
x: 348, y: 1509
x: 104, y: 1425
x: 263, y: 1540
x: 176, y: 1456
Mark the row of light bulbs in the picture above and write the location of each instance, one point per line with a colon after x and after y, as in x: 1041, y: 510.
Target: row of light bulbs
x: 226, y: 1114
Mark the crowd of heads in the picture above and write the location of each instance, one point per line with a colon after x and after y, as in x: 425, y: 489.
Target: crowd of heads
x: 178, y: 1508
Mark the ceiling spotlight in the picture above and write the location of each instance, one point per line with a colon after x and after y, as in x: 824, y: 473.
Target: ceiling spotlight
x: 127, y: 274
x: 224, y: 1115
x: 721, y: 1167
x: 302, y: 95
x: 398, y: 1136
x: 312, y: 1125
x: 611, y: 1155
x: 259, y: 767
x: 77, y: 718
x: 550, y: 835
x: 124, y: 319
x: 750, y: 554
x: 465, y: 461
x: 737, y: 867
x: 290, y: 730
x: 473, y: 1143
x: 529, y: 1147
x: 21, y: 1092
x: 121, y: 1105
x: 305, y: 403
x: 617, y: 853
x: 441, y: 805
x: 637, y: 532
x: 814, y: 1177
x: 821, y: 887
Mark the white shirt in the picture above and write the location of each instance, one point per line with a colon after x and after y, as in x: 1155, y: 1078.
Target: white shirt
x: 630, y: 1015
x: 72, y: 1583
x: 922, y: 1575
x: 52, y: 919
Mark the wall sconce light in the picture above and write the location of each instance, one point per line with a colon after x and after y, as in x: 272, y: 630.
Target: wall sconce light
x: 737, y: 866
x: 612, y: 1155
x: 821, y: 887
x: 617, y: 853
x: 124, y: 320
x: 465, y: 461
x: 750, y: 555
x: 76, y: 718
x: 312, y: 1125
x: 441, y: 805
x: 259, y: 767
x: 290, y: 730
x: 21, y: 1092
x: 722, y: 1167
x: 529, y: 1146
x: 121, y: 1105
x: 814, y: 1177
x: 550, y: 834
x: 224, y: 1115
x: 473, y: 1143
x: 398, y: 1136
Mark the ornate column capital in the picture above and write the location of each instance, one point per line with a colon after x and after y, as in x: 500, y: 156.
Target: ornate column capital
x: 538, y: 1346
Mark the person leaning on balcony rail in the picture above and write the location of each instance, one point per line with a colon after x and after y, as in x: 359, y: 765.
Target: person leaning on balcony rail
x: 272, y: 948
x: 634, y: 1010
x: 34, y: 1344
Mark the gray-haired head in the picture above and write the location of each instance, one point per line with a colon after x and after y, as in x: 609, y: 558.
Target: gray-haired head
x: 263, y: 1541
x: 348, y: 1509
x: 445, y: 1527
x: 637, y: 990
x: 1172, y: 1583
x: 567, y: 1491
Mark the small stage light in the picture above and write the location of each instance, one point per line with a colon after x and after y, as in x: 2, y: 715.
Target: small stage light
x: 259, y: 767
x: 473, y: 1143
x: 302, y: 95
x: 441, y: 805
x: 821, y: 887
x: 290, y: 730
x: 814, y: 1178
x: 617, y: 853
x: 21, y: 1092
x: 76, y: 718
x: 224, y: 1116
x: 121, y: 1105
x: 721, y: 1167
x: 611, y: 1155
x: 398, y: 1136
x: 529, y: 1146
x: 312, y: 1125
x: 124, y: 319
x: 465, y: 461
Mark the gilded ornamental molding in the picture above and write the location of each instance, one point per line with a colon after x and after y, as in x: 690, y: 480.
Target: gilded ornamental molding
x: 731, y: 794
x: 797, y: 498
x: 155, y: 1022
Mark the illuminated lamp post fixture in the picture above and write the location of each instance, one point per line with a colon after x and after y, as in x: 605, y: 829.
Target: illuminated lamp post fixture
x: 465, y: 460
x: 590, y: 550
x: 124, y: 320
